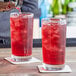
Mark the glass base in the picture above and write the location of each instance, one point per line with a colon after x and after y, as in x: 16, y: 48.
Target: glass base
x: 53, y: 67
x: 21, y: 58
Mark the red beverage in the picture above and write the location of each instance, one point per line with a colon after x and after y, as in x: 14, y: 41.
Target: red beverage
x: 53, y: 41
x: 21, y: 25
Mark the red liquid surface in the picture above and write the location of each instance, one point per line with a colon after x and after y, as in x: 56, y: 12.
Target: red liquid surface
x: 53, y: 44
x: 21, y: 35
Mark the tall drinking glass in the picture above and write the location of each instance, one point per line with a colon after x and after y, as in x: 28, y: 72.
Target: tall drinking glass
x: 21, y: 25
x: 54, y: 43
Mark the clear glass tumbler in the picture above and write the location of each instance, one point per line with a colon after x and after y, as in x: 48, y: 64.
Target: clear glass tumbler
x: 21, y: 25
x: 53, y: 43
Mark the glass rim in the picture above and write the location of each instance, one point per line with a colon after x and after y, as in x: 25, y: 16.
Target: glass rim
x: 43, y: 19
x: 27, y: 14
x: 60, y: 20
x: 53, y: 18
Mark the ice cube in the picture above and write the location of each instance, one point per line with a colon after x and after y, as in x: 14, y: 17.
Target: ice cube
x: 46, y: 46
x: 14, y: 15
x: 17, y: 23
x: 45, y: 41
